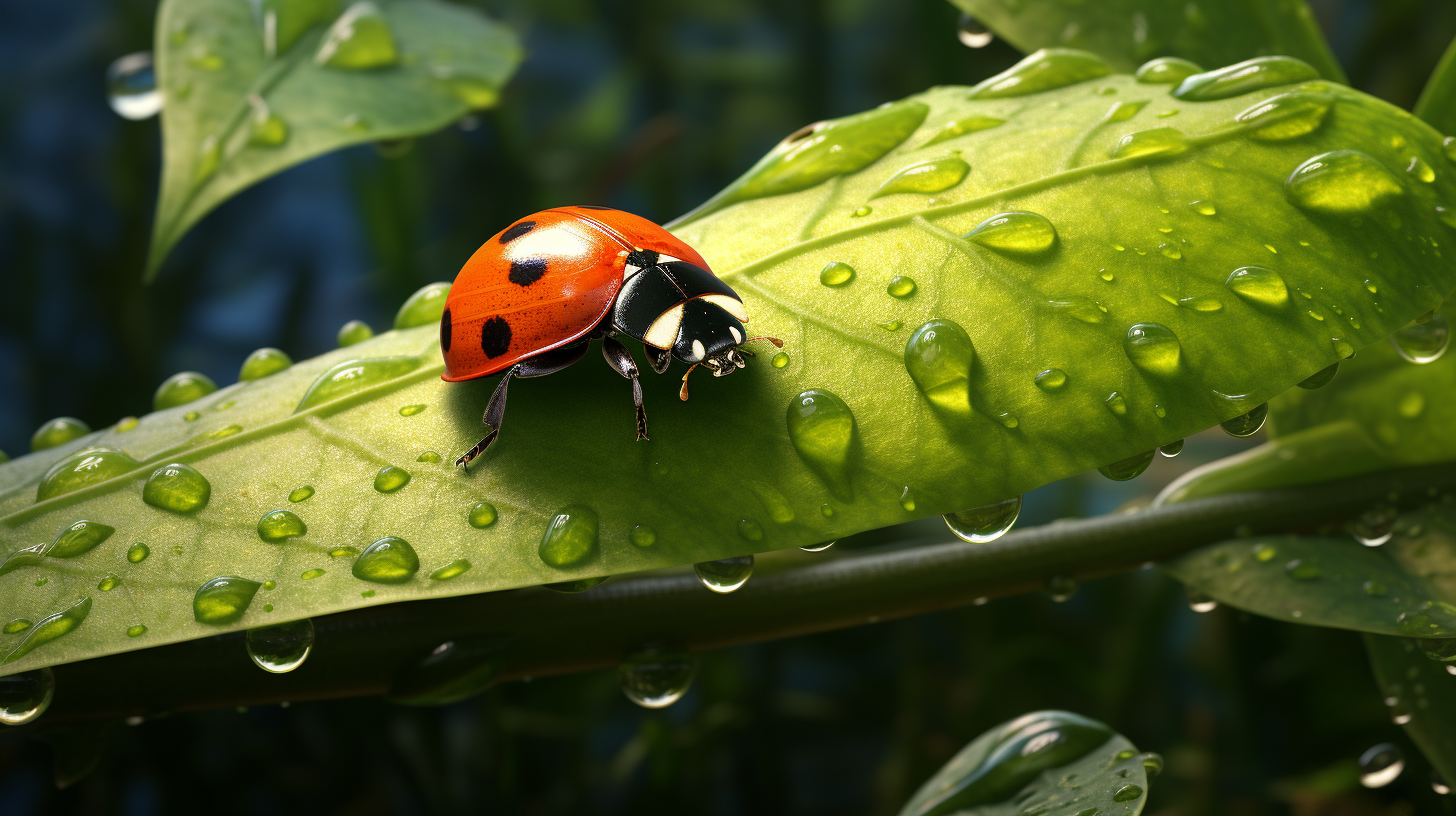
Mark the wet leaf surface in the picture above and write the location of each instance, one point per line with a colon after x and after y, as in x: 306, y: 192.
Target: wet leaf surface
x: 1420, y: 694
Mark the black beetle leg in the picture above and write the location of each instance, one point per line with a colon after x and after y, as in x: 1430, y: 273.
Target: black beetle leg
x: 658, y: 358
x: 619, y: 358
x: 548, y: 362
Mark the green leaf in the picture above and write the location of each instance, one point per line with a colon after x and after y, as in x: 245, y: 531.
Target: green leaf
x: 253, y: 88
x: 1437, y: 104
x: 1129, y: 32
x: 1058, y: 231
x: 1052, y: 763
x: 1406, y: 586
x: 1419, y: 692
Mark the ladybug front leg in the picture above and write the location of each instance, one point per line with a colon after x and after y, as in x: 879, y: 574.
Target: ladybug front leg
x: 619, y: 358
x: 542, y: 364
x: 658, y: 358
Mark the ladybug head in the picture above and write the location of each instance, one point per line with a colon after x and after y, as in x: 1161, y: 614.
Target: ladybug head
x: 711, y: 335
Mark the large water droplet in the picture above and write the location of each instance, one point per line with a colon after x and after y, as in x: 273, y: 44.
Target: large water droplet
x: 182, y: 388
x: 281, y: 648
x: 570, y: 537
x: 1247, y: 424
x: 78, y: 538
x: 1127, y: 793
x: 959, y: 127
x: 1259, y: 286
x: 1154, y: 348
x: 835, y: 274
x: 725, y: 575
x: 1163, y: 141
x: 1018, y: 232
x: 360, y: 39
x: 355, y: 331
x: 424, y: 307
x: 177, y: 488
x: 1343, y: 182
x: 138, y: 553
x: 656, y: 676
x: 353, y: 376
x: 26, y: 695
x: 1043, y: 70
x: 1381, y: 765
x: 1129, y: 468
x: 1171, y: 449
x: 1166, y: 71
x: 821, y: 428
x: 475, y: 91
x: 263, y: 363
x: 280, y: 525
x: 482, y: 515
x: 901, y: 286
x: 928, y: 176
x: 1374, y: 526
x: 1244, y: 77
x: 972, y: 32
x: 1320, y: 378
x: 223, y: 600
x: 390, y: 560
x: 1287, y: 116
x: 83, y: 469
x: 1116, y: 403
x: 1199, y: 602
x: 1051, y: 380
x: 51, y: 627
x: 391, y: 478
x: 56, y: 432
x: 301, y: 493
x: 131, y: 87
x: 938, y: 357
x: 1423, y: 342
x: 984, y: 524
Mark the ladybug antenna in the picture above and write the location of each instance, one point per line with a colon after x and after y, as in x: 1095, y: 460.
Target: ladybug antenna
x: 682, y: 394
x: 777, y: 342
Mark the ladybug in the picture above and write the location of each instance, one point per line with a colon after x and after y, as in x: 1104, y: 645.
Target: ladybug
x: 532, y: 298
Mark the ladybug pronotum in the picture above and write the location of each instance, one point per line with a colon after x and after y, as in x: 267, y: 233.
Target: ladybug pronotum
x: 532, y: 298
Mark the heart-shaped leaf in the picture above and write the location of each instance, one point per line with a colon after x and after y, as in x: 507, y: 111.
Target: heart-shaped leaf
x: 253, y: 88
x: 1421, y: 695
x: 1067, y: 289
x: 1129, y: 32
x: 1051, y: 763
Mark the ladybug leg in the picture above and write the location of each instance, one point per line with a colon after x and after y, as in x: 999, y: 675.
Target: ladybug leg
x: 658, y: 358
x: 619, y: 358
x: 539, y: 366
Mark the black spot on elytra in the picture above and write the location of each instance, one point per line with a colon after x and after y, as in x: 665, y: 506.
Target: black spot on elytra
x: 445, y: 331
x: 591, y: 207
x: 495, y: 336
x: 517, y: 231
x: 527, y: 272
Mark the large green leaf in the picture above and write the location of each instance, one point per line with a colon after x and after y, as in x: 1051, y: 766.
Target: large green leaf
x: 1150, y: 238
x: 1437, y: 105
x: 1406, y: 586
x: 253, y: 88
x: 1129, y: 32
x: 1051, y: 763
x: 1421, y: 697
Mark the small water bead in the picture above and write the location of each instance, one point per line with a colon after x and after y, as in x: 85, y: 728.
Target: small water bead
x: 1043, y: 70
x: 779, y: 360
x: 83, y: 469
x: 16, y: 626
x: 1344, y: 182
x: 972, y: 32
x: 299, y: 494
x: 1166, y: 71
x: 341, y: 552
x: 108, y: 582
x: 355, y: 331
x: 938, y: 357
x: 821, y: 428
x: 1374, y: 588
x: 182, y: 388
x: 424, y: 307
x: 642, y: 536
x: 138, y: 553
x: 1320, y: 378
x: 1171, y: 449
x: 1381, y: 765
x: 901, y: 286
x: 192, y: 416
x: 750, y: 530
x: 907, y: 499
x: 1080, y: 308
x: 359, y: 39
x: 391, y: 478
x: 656, y: 676
x: 1007, y: 420
x: 430, y: 457
x: 1438, y: 783
x: 928, y: 176
x: 1116, y: 403
x: 1423, y: 342
x: 1127, y: 793
x: 262, y: 363
x: 56, y: 432
x: 26, y: 695
x: 836, y: 274
x: 265, y: 128
x: 1129, y: 468
x: 1199, y: 602
x: 1051, y: 380
x: 1018, y: 232
x: 454, y: 569
x: 1107, y: 275
x: 820, y: 547
x: 1125, y: 110
x: 1061, y: 588
x: 1163, y: 141
x: 482, y: 515
x: 1154, y: 348
x: 136, y: 630
x: 1244, y: 77
x: 209, y: 158
x: 411, y: 410
x: 280, y: 525
x: 725, y: 575
x: 957, y: 128
x: 1417, y: 167
x: 570, y: 537
x: 270, y: 585
x: 353, y: 376
x: 1246, y: 424
x: 390, y: 560
x: 1375, y: 526
x: 1287, y: 116
x: 1411, y: 405
x: 223, y: 600
x: 177, y: 488
x: 281, y: 648
x: 984, y: 524
x: 1301, y: 571
x: 131, y: 87
x: 862, y: 211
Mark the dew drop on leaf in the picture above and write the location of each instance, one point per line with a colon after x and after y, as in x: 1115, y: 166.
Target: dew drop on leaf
x: 58, y: 431
x: 570, y: 537
x: 390, y: 560
x: 1043, y: 70
x: 1374, y: 526
x: 907, y: 500
x: 1381, y: 765
x: 820, y: 547
x: 177, y: 488
x: 263, y: 363
x: 821, y: 428
x: 430, y: 457
x: 83, y: 469
x: 16, y: 626
x: 1286, y: 116
x: 1116, y: 403
x: 1061, y: 588
x: 928, y: 176
x: 1017, y: 232
x: 901, y: 286
x: 1172, y: 448
x: 25, y: 696
x: 981, y: 525
x: 956, y: 128
x: 223, y: 600
x: 80, y: 537
x: 182, y: 388
x: 131, y: 87
x: 281, y: 648
x: 836, y: 274
x: 1299, y: 570
x: 1244, y: 77
x: 301, y: 493
x: 779, y: 360
x: 1199, y: 602
x: 138, y: 553
x: 1423, y: 342
x: 1246, y: 424
x: 972, y: 32
x: 411, y: 410
x: 280, y: 525
x: 108, y: 582
x: 423, y: 307
x: 642, y: 536
x: 1129, y: 468
x: 1166, y: 71
x: 1051, y: 379
x: 359, y: 39
x: 1163, y: 141
x: 482, y: 515
x: 750, y: 530
x: 1127, y: 793
x: 656, y: 676
x: 725, y: 575
x: 266, y: 128
x: 454, y: 569
x: 1154, y: 348
x: 938, y: 357
x: 355, y: 331
x: 1344, y: 182
x: 352, y: 376
x: 1320, y: 378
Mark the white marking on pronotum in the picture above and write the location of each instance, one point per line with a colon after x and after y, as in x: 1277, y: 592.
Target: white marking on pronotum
x: 663, y: 330
x: 737, y: 335
x: 698, y: 351
x: 731, y: 305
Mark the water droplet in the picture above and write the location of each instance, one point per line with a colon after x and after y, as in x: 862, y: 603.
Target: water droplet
x: 984, y: 524
x: 455, y: 568
x: 83, y: 469
x: 1244, y: 77
x: 430, y: 457
x: 453, y: 671
x: 642, y: 536
x: 1166, y: 71
x: 656, y: 676
x: 1125, y: 110
x: 1203, y: 207
x: 1287, y: 116
x: 1127, y: 793
x: 1043, y: 70
x: 192, y: 416
x: 779, y: 360
x: 1411, y: 405
x: 223, y: 600
x: 1247, y: 424
x: 1129, y: 468
x: 341, y: 552
x: 1080, y: 308
x: 928, y: 176
x: 358, y: 40
x: 1018, y: 232
x: 1154, y: 348
x: 1374, y: 588
x: 862, y: 211
x: 1417, y: 167
x: 1320, y: 378
x: 1300, y: 571
x: 138, y: 553
x: 1381, y: 765
x: 177, y: 488
x: 299, y: 494
x: 51, y: 627
x: 353, y: 376
x: 1423, y: 342
x: 355, y: 331
x: 263, y: 363
x: 482, y: 515
x: 1107, y: 275
x: 956, y: 128
x: 25, y: 696
x: 280, y: 525
x: 182, y: 388
x: 820, y: 547
x: 570, y: 537
x: 1438, y: 783
x: 1061, y: 588
x: 821, y: 428
x: 281, y: 648
x: 390, y: 560
x: 16, y: 626
x: 1344, y: 182
x: 1051, y: 380
x: 126, y: 424
x: 575, y: 587
x: 412, y: 410
x: 725, y: 575
x: 108, y: 582
x: 836, y: 274
x: 1116, y: 403
x: 907, y: 499
x: 131, y: 87
x: 972, y: 32
x: 265, y: 128
x: 1163, y: 141
x: 424, y: 307
x: 1199, y: 602
x: 938, y: 357
x: 209, y: 158
x: 750, y: 530
x: 1172, y: 448
x: 1375, y: 526
x: 901, y: 286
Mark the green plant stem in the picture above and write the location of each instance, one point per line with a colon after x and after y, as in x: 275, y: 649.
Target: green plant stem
x: 361, y: 652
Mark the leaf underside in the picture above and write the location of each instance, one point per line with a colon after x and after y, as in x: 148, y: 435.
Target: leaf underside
x: 1419, y: 692
x: 726, y: 455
